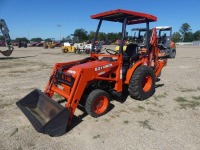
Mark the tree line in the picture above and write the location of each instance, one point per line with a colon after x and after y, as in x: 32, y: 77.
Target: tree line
x: 184, y: 34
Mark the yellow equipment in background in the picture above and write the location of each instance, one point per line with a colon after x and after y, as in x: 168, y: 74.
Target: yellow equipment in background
x: 68, y: 47
x: 49, y: 45
x: 73, y: 47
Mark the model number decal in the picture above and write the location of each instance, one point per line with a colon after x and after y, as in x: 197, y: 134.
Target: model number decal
x: 102, y: 67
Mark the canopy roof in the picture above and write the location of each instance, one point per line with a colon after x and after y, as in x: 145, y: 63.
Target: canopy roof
x: 118, y: 15
x: 139, y: 29
x: 164, y: 28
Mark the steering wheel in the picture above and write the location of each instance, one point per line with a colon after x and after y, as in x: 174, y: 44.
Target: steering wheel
x: 111, y: 52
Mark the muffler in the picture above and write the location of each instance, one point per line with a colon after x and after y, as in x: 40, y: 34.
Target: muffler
x: 46, y: 115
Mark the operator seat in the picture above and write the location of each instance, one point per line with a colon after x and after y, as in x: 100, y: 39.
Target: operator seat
x: 164, y: 42
x: 130, y: 55
x: 131, y: 52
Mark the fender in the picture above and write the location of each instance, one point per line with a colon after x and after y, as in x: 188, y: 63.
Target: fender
x: 132, y: 69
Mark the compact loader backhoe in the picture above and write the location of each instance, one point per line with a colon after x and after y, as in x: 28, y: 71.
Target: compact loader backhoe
x: 165, y: 44
x: 5, y: 32
x: 90, y: 82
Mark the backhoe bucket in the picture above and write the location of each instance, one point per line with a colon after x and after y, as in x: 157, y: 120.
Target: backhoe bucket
x: 46, y: 115
x: 6, y: 53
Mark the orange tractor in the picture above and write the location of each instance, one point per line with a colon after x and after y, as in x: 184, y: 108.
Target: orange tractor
x: 90, y: 82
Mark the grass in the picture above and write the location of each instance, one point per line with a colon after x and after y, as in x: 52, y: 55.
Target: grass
x: 181, y: 99
x: 21, y: 71
x: 187, y: 90
x: 2, y: 95
x: 31, y: 145
x: 160, y: 114
x: 154, y: 104
x: 157, y: 98
x: 107, y: 120
x: 145, y: 124
x: 138, y: 109
x: 5, y: 105
x: 20, y: 148
x: 114, y: 116
x: 154, y: 112
x: 196, y: 97
x: 141, y: 108
x: 151, y: 103
x: 191, y: 104
x: 164, y: 95
x: 96, y: 136
x: 126, y: 121
x: 185, y: 103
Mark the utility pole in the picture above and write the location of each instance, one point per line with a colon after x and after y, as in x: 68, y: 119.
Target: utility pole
x: 59, y: 25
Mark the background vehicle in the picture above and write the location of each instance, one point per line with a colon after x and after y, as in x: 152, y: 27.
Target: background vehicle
x: 138, y: 38
x: 91, y: 82
x: 47, y: 45
x: 164, y: 42
x: 98, y: 47
x: 5, y: 32
x: 73, y: 47
x: 2, y: 43
x: 22, y: 44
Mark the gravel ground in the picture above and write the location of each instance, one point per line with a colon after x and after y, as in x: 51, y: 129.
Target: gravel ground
x: 169, y: 120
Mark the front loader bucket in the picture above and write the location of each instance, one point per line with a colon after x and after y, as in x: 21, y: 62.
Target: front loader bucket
x: 46, y: 115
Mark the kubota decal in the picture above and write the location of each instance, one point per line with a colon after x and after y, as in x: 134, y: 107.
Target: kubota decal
x: 102, y: 67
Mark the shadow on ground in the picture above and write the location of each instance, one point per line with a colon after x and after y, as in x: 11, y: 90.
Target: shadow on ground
x: 5, y: 58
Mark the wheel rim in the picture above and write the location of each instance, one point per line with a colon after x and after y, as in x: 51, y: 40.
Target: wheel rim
x: 100, y: 105
x: 147, y: 83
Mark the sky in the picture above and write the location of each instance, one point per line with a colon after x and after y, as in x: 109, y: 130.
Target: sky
x: 59, y: 18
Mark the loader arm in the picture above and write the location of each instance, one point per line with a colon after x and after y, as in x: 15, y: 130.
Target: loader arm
x: 5, y: 32
x: 74, y: 77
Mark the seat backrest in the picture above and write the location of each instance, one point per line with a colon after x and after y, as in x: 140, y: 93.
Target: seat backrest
x: 131, y: 50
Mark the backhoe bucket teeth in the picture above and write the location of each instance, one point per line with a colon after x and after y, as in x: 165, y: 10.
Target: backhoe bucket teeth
x: 46, y: 115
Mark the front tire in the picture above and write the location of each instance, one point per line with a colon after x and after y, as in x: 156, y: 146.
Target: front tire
x: 142, y: 83
x: 64, y: 50
x: 97, y: 103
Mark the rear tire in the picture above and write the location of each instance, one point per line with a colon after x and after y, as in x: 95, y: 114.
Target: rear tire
x: 87, y: 51
x: 97, y: 103
x: 77, y: 51
x: 172, y: 53
x: 142, y: 83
